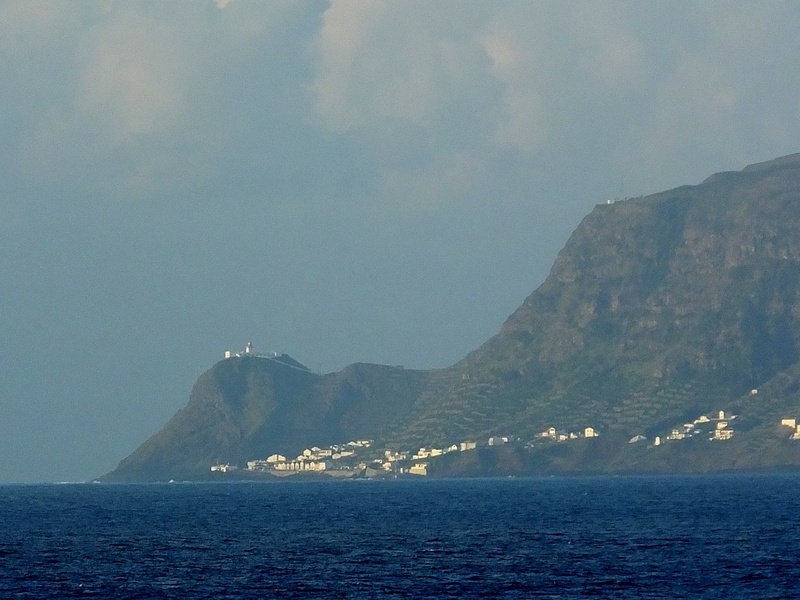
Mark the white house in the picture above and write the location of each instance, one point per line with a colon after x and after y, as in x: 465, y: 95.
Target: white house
x: 421, y: 453
x: 722, y: 434
x: 224, y: 468
x: 419, y: 469
x: 257, y: 465
x: 676, y: 434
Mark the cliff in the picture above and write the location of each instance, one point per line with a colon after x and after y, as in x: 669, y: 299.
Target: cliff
x: 657, y: 310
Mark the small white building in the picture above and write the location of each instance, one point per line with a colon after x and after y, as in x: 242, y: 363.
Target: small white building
x: 467, y: 445
x: 722, y: 434
x: 497, y: 440
x: 393, y: 456
x: 224, y: 468
x: 676, y: 434
x: 258, y: 465
x: 589, y: 432
x: 360, y: 443
x: 419, y: 469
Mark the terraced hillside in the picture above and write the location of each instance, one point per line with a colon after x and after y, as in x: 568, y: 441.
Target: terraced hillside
x: 658, y: 309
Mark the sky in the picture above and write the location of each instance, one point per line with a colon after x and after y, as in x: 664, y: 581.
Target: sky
x: 348, y: 181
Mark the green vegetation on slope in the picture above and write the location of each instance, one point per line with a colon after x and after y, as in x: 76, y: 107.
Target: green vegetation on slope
x: 657, y: 310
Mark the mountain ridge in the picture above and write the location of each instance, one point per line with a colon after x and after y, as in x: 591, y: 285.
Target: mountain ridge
x: 657, y: 309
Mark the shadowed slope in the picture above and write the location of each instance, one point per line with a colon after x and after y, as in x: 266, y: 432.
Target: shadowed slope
x: 657, y: 310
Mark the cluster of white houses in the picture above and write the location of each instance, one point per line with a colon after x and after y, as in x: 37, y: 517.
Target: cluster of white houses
x: 718, y: 428
x: 311, y: 459
x: 346, y: 459
x: 349, y: 458
x: 552, y: 433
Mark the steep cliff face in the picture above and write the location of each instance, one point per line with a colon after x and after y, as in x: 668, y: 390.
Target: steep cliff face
x: 658, y: 309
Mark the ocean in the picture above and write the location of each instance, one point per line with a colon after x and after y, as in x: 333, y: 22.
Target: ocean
x: 722, y: 536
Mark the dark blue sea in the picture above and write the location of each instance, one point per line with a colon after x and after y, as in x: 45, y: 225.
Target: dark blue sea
x: 732, y: 536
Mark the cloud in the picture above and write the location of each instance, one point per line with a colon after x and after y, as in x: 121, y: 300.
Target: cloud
x: 133, y: 77
x: 523, y: 70
x: 379, y: 60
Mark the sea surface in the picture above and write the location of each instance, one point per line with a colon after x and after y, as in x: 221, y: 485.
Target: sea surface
x: 731, y: 536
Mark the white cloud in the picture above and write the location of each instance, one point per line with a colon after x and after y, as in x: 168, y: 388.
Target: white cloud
x: 133, y: 73
x: 522, y: 123
x: 382, y: 60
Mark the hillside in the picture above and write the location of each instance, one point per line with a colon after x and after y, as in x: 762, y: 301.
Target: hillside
x: 249, y: 407
x: 657, y: 310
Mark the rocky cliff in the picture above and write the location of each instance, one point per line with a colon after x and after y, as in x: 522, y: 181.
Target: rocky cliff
x: 658, y: 309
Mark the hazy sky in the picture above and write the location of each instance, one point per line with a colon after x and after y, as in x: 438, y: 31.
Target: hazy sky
x: 367, y: 180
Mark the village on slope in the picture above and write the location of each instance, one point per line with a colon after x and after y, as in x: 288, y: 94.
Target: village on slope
x: 360, y: 457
